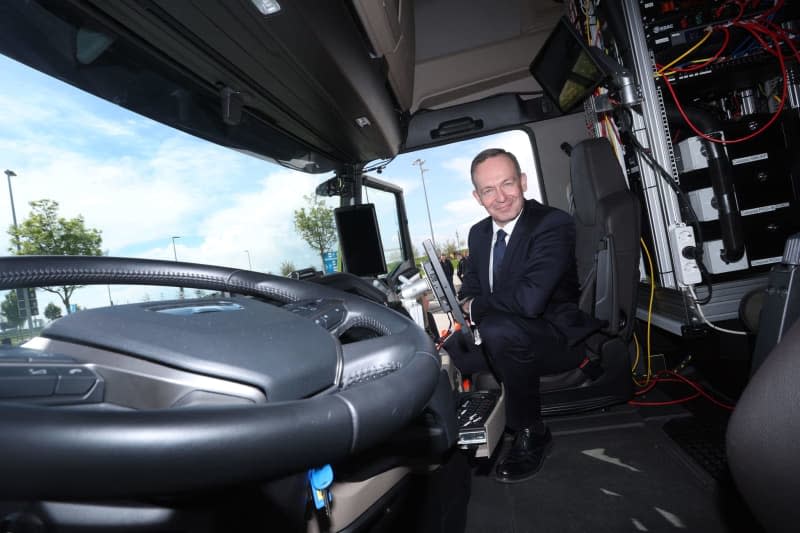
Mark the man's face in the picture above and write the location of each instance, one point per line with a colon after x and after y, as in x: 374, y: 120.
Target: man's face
x: 498, y: 188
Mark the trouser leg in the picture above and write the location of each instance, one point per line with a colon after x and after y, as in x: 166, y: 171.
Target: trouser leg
x: 466, y: 356
x: 521, y: 350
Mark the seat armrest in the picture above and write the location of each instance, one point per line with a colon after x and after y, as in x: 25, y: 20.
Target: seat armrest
x: 605, y: 297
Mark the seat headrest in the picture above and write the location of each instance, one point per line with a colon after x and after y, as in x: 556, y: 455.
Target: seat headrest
x: 594, y: 173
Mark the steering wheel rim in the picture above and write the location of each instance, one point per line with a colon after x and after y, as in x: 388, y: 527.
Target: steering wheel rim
x: 79, y: 453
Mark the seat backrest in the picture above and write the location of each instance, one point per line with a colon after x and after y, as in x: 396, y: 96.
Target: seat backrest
x: 608, y: 229
x: 762, y: 437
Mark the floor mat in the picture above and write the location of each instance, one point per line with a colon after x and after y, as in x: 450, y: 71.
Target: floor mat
x: 702, y: 441
x: 630, y: 478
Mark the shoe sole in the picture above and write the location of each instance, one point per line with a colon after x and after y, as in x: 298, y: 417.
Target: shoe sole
x: 510, y: 481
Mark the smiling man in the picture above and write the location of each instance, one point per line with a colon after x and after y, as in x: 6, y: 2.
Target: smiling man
x: 521, y: 290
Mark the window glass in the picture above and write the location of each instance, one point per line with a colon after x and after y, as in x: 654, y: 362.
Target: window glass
x: 438, y: 190
x: 157, y: 193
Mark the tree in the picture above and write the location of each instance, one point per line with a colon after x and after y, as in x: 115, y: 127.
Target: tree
x: 45, y: 233
x: 315, y: 224
x: 450, y: 248
x: 10, y: 309
x: 287, y: 267
x: 52, y: 311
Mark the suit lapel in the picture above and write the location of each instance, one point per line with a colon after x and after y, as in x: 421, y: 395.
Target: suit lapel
x: 519, y: 235
x: 482, y: 254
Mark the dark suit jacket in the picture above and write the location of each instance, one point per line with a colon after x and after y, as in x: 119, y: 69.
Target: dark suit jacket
x: 538, y: 277
x: 447, y: 266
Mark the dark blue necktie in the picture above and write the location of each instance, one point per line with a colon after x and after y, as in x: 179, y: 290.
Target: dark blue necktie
x: 499, y: 251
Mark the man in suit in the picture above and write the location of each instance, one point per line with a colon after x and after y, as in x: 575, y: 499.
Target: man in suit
x: 447, y: 266
x: 462, y: 265
x: 521, y: 290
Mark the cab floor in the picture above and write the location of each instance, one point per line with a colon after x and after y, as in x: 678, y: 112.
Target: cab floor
x: 617, y: 470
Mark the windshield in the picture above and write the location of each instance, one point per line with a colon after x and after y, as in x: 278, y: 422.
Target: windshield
x: 150, y: 191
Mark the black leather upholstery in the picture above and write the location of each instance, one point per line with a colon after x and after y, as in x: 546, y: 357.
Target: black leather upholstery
x: 606, y: 213
x: 763, y: 435
x: 117, y: 453
x: 608, y: 227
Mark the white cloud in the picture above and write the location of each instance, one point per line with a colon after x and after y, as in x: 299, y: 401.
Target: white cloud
x: 466, y: 208
x: 409, y: 185
x: 516, y: 142
x: 141, y: 183
x: 135, y: 199
x: 460, y: 165
x: 261, y: 222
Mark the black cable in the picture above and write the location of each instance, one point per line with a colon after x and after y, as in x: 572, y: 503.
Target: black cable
x: 687, y: 210
x: 379, y: 166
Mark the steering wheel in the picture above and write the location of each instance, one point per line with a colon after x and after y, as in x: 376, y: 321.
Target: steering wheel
x: 381, y: 384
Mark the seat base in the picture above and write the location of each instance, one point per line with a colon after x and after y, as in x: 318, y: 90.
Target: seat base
x: 575, y: 391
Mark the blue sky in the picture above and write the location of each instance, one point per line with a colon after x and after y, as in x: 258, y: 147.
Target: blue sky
x: 140, y: 183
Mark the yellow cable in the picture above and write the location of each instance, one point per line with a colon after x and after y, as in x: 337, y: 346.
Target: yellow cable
x: 686, y: 53
x: 661, y: 72
x: 636, y: 362
x: 649, y: 308
x: 586, y: 16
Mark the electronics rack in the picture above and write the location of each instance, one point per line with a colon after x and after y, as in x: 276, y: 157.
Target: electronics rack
x: 726, y: 69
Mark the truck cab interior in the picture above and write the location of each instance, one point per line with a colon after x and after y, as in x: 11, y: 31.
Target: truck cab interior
x: 669, y: 130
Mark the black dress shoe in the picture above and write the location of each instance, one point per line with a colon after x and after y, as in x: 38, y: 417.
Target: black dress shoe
x: 525, y: 457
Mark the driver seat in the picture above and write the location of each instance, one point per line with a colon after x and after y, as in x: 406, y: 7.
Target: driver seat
x: 608, y: 229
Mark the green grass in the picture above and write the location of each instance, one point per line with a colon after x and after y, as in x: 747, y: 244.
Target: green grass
x: 18, y: 336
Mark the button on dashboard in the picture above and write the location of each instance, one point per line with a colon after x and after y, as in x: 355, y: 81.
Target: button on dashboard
x: 74, y: 380
x: 26, y: 381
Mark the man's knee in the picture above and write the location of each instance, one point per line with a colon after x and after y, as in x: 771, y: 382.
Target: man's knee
x: 503, y: 334
x: 496, y: 328
x: 517, y: 337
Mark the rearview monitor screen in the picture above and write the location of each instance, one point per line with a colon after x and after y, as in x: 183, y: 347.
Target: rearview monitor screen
x: 360, y: 240
x: 565, y: 67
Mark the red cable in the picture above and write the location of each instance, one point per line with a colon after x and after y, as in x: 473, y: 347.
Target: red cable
x: 653, y: 382
x: 785, y: 37
x: 720, y: 9
x: 670, y: 402
x: 647, y: 388
x: 753, y: 28
x: 775, y: 116
x: 774, y: 9
x: 699, y: 389
x: 675, y: 377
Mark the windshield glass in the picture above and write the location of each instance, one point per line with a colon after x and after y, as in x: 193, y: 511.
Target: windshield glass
x: 146, y: 190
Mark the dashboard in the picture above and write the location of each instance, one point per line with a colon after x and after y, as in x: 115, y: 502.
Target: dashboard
x: 184, y: 395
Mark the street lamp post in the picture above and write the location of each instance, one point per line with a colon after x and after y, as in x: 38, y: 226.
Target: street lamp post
x: 249, y: 263
x: 175, y: 255
x: 419, y: 163
x: 9, y: 174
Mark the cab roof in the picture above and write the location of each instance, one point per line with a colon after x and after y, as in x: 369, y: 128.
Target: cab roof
x: 314, y: 86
